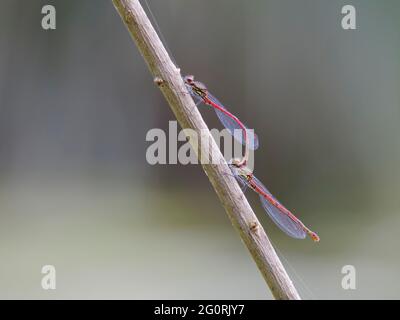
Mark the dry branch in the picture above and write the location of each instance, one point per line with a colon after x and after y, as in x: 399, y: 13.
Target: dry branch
x: 169, y: 79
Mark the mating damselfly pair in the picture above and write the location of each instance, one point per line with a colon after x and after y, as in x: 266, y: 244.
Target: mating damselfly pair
x: 281, y: 216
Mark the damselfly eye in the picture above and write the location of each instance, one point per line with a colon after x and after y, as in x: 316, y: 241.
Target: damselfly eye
x: 189, y: 79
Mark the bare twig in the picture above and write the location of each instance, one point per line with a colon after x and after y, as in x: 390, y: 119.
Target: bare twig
x: 169, y: 79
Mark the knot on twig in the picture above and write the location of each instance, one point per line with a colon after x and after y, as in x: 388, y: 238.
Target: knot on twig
x: 253, y: 226
x: 158, y: 81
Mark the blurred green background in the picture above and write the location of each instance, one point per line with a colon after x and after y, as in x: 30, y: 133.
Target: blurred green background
x: 76, y: 191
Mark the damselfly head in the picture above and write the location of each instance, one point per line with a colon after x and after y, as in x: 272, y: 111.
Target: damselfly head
x: 198, y: 87
x: 240, y: 168
x: 240, y: 163
x: 235, y: 162
x: 189, y: 79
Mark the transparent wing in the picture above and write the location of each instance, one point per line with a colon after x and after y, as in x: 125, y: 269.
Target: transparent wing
x: 233, y: 126
x: 243, y: 183
x: 287, y: 224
